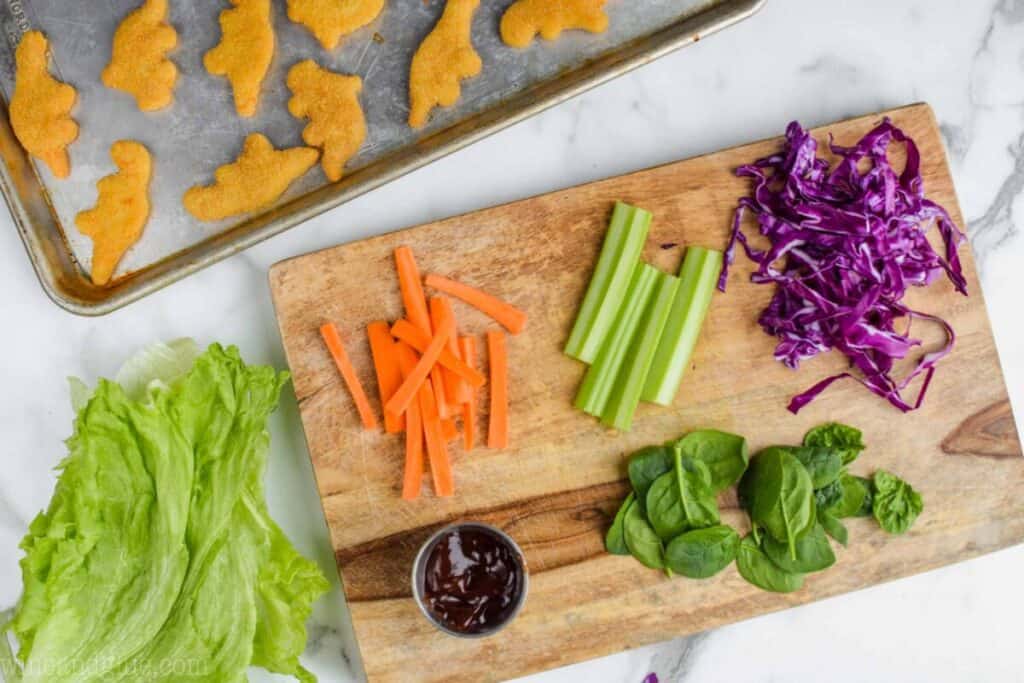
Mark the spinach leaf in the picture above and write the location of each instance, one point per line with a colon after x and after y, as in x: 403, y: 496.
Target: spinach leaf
x: 829, y: 496
x: 702, y: 553
x: 832, y: 526
x: 682, y: 499
x: 756, y: 568
x: 823, y: 464
x: 641, y: 540
x: 839, y: 437
x: 896, y: 503
x: 844, y: 497
x: 646, y: 465
x: 813, y: 552
x: 778, y: 494
x: 665, y: 507
x: 614, y: 540
x: 853, y: 493
x: 867, y: 507
x: 725, y: 455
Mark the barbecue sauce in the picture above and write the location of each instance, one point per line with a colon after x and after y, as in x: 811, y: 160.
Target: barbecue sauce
x: 474, y: 581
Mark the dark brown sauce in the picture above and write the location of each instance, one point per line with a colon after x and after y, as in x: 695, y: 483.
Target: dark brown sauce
x: 473, y: 581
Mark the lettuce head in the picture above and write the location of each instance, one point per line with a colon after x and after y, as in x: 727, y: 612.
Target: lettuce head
x: 157, y: 559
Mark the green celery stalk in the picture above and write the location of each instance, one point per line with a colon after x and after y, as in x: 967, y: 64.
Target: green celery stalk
x: 633, y: 375
x: 697, y: 280
x: 600, y: 379
x: 623, y: 244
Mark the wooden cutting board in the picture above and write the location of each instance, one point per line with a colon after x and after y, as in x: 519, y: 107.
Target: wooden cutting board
x: 556, y: 489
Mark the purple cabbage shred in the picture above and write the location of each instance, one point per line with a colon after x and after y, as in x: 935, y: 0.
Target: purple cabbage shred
x: 844, y: 245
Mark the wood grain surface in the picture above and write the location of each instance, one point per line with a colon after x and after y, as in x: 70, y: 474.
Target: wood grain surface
x: 555, y: 490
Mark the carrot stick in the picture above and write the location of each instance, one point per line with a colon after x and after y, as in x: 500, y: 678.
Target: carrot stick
x: 412, y: 289
x: 389, y: 373
x: 437, y: 373
x: 450, y: 381
x: 449, y: 429
x: 468, y: 347
x: 333, y: 341
x: 437, y: 447
x: 412, y: 480
x: 497, y: 434
x: 437, y: 382
x: 506, y: 314
x: 458, y: 391
x: 407, y: 332
x: 400, y: 401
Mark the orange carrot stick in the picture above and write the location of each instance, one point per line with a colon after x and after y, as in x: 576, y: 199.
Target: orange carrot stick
x: 407, y: 332
x: 437, y: 381
x: 449, y: 429
x: 506, y: 314
x: 468, y: 347
x: 458, y: 387
x: 389, y: 373
x: 450, y: 381
x: 438, y: 377
x: 400, y: 401
x: 333, y: 341
x: 437, y: 447
x: 458, y: 391
x: 412, y: 480
x: 497, y: 434
x: 412, y: 289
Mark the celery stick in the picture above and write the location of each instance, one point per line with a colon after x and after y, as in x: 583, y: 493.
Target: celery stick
x: 698, y: 277
x: 623, y: 244
x: 633, y: 375
x: 601, y: 376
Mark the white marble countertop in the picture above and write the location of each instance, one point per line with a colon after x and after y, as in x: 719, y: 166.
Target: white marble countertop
x: 806, y: 59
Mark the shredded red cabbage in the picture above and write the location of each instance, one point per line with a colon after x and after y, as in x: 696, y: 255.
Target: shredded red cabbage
x: 850, y: 243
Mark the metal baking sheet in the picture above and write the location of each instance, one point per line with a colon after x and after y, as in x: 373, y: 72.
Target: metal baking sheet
x: 200, y: 130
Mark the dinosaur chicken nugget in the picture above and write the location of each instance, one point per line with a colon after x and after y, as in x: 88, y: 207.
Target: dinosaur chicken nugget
x: 138, y: 64
x: 41, y: 106
x: 121, y: 211
x: 244, y: 52
x: 331, y: 103
x: 329, y: 20
x: 444, y: 58
x: 254, y: 181
x: 526, y: 18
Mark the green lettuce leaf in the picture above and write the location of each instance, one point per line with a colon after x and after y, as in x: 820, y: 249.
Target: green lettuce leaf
x: 157, y: 559
x: 9, y: 670
x: 157, y: 364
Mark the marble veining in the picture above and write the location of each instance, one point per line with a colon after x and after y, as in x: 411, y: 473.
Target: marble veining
x: 996, y: 226
x: 798, y: 59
